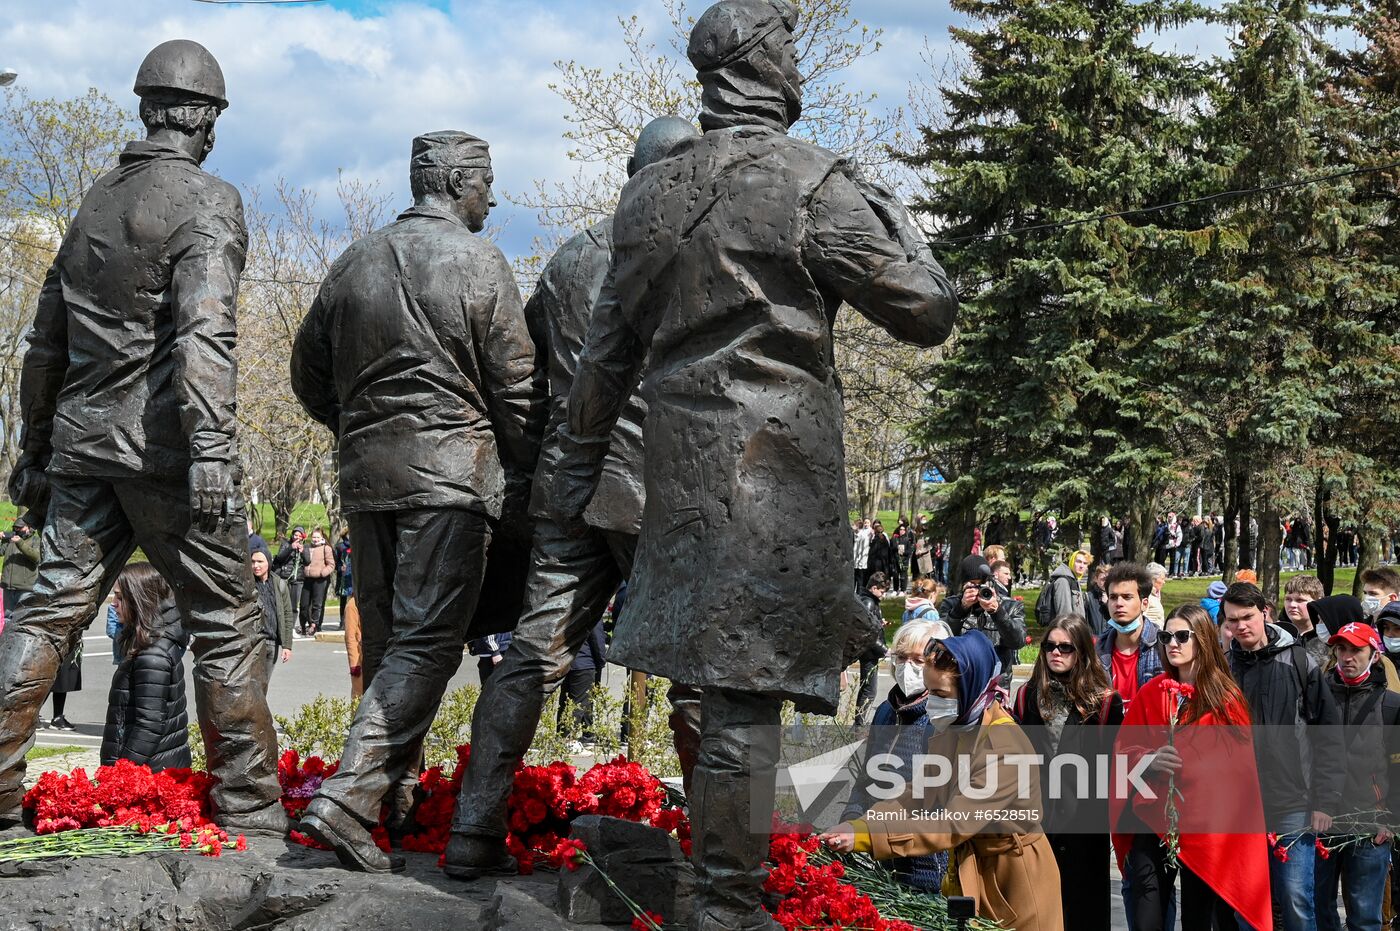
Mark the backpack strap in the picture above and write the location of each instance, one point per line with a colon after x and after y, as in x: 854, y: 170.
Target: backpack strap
x: 1019, y: 706
x: 1107, y: 703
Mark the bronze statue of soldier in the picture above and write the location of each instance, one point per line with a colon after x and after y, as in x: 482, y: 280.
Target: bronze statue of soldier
x: 417, y: 356
x: 730, y: 259
x: 129, y: 439
x: 572, y: 576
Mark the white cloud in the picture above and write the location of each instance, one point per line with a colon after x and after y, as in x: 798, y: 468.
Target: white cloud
x: 315, y: 90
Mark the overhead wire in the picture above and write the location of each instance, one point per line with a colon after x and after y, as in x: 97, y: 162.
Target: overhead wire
x: 1204, y: 199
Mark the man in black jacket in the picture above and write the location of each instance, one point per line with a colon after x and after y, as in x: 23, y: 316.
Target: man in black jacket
x: 290, y: 564
x: 130, y: 439
x: 1373, y: 771
x: 986, y: 605
x: 1285, y: 689
x: 417, y: 356
x: 870, y: 660
x: 881, y: 552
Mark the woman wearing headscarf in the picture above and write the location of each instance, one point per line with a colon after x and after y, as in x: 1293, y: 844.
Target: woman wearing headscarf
x: 1000, y: 856
x: 902, y: 729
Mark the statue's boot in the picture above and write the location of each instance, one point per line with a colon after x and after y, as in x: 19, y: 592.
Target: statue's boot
x: 28, y: 664
x: 731, y: 810
x: 270, y: 820
x: 472, y: 856
x: 327, y: 823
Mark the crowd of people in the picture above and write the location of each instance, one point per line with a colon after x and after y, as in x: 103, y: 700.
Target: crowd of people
x: 149, y: 643
x: 1320, y: 781
x: 1318, y: 669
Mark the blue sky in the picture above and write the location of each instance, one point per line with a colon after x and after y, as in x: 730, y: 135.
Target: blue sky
x: 343, y: 85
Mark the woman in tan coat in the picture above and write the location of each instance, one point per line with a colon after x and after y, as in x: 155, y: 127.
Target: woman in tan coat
x: 1000, y: 855
x: 320, y: 567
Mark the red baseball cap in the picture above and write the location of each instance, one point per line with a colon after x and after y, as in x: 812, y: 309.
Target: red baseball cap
x: 1358, y: 635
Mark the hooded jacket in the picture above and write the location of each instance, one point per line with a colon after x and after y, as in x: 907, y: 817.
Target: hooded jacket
x: 1064, y: 593
x: 147, y: 720
x: 1300, y: 768
x: 729, y: 259
x: 1391, y: 613
x: 1372, y: 751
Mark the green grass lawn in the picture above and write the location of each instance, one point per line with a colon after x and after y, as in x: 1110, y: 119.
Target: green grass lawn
x: 306, y: 515
x: 45, y: 753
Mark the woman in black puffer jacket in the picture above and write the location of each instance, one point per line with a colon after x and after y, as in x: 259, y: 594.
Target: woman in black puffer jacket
x: 146, y: 717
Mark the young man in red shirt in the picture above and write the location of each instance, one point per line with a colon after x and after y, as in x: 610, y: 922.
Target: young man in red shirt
x: 1128, y: 647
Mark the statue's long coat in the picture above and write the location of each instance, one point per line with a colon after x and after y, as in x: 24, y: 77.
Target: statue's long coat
x: 731, y: 259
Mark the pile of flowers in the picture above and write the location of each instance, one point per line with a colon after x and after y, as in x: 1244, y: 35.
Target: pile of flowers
x: 813, y: 894
x: 120, y: 795
x: 121, y: 809
x: 541, y: 808
x: 125, y: 809
x: 299, y: 780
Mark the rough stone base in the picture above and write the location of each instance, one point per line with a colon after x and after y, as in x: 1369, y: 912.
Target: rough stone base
x: 274, y: 884
x: 644, y: 862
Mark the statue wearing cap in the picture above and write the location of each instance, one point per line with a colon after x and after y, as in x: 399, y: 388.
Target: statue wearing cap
x: 730, y: 260
x: 417, y: 356
x: 129, y: 439
x: 572, y: 577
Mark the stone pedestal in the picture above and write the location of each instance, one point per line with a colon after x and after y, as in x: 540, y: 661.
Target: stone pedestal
x: 645, y: 862
x: 274, y: 884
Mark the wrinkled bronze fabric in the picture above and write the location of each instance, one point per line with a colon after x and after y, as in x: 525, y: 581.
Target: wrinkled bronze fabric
x: 730, y: 261
x: 128, y: 391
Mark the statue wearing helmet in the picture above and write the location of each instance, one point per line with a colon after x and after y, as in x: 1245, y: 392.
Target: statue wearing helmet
x: 129, y: 437
x: 572, y: 577
x: 729, y: 262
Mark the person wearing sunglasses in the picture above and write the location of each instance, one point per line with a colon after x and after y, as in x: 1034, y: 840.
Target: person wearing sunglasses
x: 999, y: 852
x: 1064, y: 708
x: 1225, y: 875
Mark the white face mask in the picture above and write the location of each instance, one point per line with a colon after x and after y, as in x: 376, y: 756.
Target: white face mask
x: 941, y: 712
x: 1371, y: 605
x: 1392, y: 644
x: 909, y: 678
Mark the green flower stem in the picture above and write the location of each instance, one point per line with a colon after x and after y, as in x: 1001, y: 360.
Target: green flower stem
x: 636, y: 910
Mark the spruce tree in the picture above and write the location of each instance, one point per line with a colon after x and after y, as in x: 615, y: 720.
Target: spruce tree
x: 1286, y: 285
x: 1049, y: 395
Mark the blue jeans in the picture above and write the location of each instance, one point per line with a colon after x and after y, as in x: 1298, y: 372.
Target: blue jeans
x: 1292, y: 882
x: 1361, y: 869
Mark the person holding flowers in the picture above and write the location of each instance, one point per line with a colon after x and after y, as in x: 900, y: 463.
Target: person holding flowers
x: 1064, y: 707
x: 901, y: 727
x: 1202, y: 775
x: 1355, y: 854
x: 1000, y: 855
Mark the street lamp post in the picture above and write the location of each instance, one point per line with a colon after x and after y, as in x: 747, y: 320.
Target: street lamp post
x: 8, y: 76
